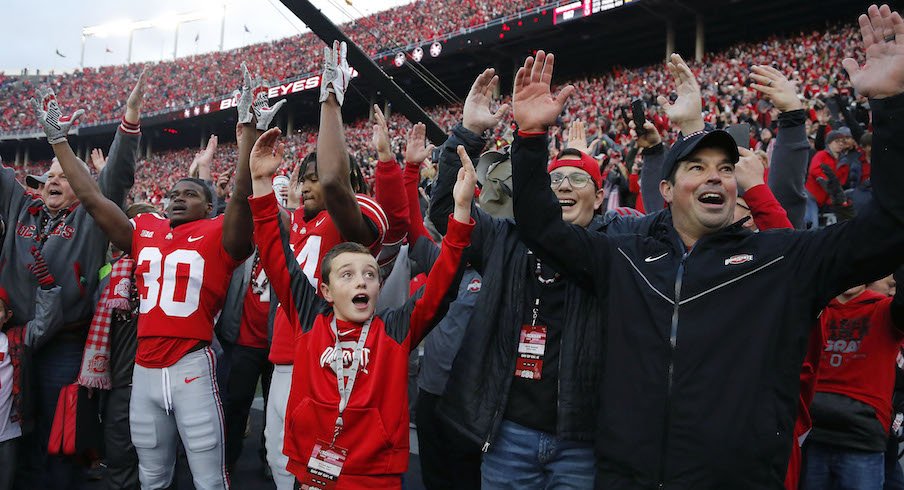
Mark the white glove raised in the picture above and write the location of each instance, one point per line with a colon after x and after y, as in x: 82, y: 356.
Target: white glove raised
x: 56, y: 125
x: 246, y: 97
x: 261, y: 106
x: 336, y: 72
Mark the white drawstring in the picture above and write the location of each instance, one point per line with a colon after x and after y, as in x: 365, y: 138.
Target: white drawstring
x: 167, y: 392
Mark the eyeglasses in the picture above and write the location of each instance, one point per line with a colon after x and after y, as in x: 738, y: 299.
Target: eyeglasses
x: 577, y: 180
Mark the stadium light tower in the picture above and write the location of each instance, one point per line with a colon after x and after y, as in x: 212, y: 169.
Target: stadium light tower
x: 165, y: 22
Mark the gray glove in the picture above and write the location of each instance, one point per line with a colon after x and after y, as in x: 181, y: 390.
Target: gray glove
x: 261, y: 106
x: 56, y: 125
x: 245, y: 97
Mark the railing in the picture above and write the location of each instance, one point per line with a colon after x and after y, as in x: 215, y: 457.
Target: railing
x: 37, y: 133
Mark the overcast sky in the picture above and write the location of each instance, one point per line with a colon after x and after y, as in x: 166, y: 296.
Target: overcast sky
x: 35, y: 29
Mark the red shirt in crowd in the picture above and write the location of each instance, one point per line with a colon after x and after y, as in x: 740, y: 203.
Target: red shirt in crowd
x: 861, y: 345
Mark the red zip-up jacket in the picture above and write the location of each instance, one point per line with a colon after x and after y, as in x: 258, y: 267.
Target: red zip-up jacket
x: 376, y: 421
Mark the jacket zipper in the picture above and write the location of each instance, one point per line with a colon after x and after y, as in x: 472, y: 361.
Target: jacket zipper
x: 673, y: 342
x: 497, y: 417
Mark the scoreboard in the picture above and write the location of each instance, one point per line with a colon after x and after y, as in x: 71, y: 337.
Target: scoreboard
x: 584, y: 8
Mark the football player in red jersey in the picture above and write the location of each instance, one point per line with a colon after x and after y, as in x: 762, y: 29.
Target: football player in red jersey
x: 183, y: 266
x: 330, y: 213
x: 344, y: 340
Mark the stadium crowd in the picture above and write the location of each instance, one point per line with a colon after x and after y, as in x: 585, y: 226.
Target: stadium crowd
x: 641, y: 323
x: 604, y: 103
x: 192, y: 79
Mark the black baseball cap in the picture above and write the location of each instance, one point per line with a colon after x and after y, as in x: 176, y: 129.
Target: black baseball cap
x: 683, y: 148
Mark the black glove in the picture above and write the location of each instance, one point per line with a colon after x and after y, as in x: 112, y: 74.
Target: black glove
x: 832, y: 186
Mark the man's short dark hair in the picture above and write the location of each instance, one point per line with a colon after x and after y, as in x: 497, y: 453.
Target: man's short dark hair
x: 345, y: 247
x: 207, y: 192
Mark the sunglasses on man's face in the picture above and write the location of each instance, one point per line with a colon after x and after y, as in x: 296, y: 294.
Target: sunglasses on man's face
x: 577, y: 180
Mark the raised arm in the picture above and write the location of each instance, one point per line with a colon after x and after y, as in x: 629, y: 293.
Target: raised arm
x: 477, y: 118
x: 117, y: 176
x: 442, y: 281
x: 296, y: 295
x: 12, y: 194
x: 791, y: 154
x: 411, y: 178
x: 765, y: 210
x: 238, y: 226
x: 200, y: 169
x: 387, y: 189
x: 570, y: 249
x: 872, y: 243
x: 108, y: 215
x: 687, y: 110
x: 333, y: 167
x: 417, y: 150
x: 653, y: 151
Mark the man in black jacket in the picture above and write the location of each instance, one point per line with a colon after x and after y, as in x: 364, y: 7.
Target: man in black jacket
x: 699, y: 387
x: 489, y: 357
x: 535, y: 431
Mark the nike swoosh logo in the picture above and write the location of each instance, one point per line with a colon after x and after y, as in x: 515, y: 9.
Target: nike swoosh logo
x: 194, y: 238
x: 189, y: 380
x: 654, y: 259
x: 343, y: 334
x: 319, y: 221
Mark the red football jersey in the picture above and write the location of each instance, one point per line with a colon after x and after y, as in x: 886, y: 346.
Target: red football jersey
x: 255, y: 311
x: 310, y: 241
x: 182, y: 275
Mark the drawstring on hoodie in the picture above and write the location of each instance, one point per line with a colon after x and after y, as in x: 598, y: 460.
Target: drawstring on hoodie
x: 167, y: 392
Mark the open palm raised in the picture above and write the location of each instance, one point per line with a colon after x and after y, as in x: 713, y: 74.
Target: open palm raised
x: 534, y: 106
x: 882, y: 75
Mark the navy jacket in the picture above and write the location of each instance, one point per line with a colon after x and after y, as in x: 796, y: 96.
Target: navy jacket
x: 703, y: 347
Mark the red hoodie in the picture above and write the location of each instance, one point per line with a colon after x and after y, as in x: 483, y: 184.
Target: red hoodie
x: 376, y: 421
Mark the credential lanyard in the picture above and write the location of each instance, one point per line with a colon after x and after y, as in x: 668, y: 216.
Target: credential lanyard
x: 345, y: 389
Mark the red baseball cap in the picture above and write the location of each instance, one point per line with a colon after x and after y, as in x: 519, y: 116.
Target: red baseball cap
x: 586, y: 163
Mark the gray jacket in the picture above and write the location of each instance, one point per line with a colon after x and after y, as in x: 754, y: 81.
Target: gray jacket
x: 48, y: 318
x: 788, y: 169
x: 75, y: 251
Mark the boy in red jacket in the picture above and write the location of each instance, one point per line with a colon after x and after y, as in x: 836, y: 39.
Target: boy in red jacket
x: 347, y: 415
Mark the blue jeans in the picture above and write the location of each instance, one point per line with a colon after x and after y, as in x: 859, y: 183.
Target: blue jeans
x: 811, y: 214
x: 835, y: 467
x: 523, y: 458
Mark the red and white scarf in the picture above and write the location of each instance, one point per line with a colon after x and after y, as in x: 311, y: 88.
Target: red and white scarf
x: 95, y: 371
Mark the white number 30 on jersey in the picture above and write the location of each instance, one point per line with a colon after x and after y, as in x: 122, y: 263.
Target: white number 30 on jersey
x: 177, y: 295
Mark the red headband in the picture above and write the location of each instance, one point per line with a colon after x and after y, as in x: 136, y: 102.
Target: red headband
x: 587, y: 163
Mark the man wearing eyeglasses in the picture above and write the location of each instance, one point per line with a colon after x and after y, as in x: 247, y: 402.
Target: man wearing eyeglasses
x: 529, y: 353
